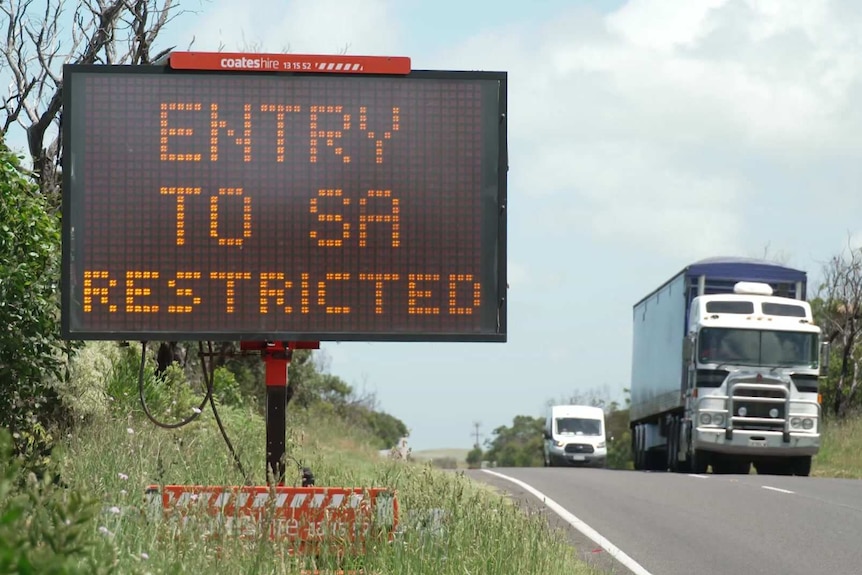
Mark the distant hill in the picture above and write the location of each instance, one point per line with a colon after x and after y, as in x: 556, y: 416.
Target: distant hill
x: 458, y: 455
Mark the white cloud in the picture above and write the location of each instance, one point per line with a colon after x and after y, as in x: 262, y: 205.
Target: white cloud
x: 365, y: 27
x: 666, y: 114
x: 661, y: 24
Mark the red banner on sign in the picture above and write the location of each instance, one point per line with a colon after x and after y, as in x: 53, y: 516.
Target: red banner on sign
x: 244, y: 62
x: 303, y: 515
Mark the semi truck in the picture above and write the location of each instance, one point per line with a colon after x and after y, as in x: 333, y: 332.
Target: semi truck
x: 726, y: 362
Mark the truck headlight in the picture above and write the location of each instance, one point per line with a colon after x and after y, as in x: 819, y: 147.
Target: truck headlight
x: 705, y: 419
x: 795, y: 422
x: 600, y: 445
x: 559, y: 443
x: 807, y: 423
x: 717, y: 419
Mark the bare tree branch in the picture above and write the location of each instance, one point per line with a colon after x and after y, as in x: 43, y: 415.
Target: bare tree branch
x: 841, y: 294
x: 40, y: 39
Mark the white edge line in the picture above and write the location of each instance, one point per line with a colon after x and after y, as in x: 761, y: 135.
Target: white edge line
x: 777, y: 489
x: 588, y: 531
x: 698, y: 476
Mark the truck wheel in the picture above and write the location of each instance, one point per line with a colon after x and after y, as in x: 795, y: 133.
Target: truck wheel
x: 673, y: 446
x: 802, y: 466
x: 640, y: 450
x: 699, y: 461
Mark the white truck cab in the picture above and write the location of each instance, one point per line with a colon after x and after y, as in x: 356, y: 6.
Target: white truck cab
x: 575, y: 435
x: 753, y: 368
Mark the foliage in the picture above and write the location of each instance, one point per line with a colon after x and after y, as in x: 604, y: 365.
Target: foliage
x: 474, y: 457
x: 840, y: 452
x: 448, y: 524
x: 248, y: 372
x: 173, y: 396
x: 31, y: 355
x: 837, y: 309
x: 45, y: 528
x: 169, y: 399
x: 387, y: 428
x: 39, y: 38
x: 519, y: 445
x: 444, y: 462
x: 226, y: 389
x: 618, y: 437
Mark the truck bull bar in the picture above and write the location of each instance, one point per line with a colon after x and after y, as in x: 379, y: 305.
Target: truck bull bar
x: 729, y: 400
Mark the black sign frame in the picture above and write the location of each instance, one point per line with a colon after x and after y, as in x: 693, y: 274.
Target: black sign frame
x: 491, y: 328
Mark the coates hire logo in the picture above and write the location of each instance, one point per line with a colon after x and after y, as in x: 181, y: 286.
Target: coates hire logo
x: 243, y: 63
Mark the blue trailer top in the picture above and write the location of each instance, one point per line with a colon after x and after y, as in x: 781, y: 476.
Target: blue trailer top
x: 722, y: 273
x: 744, y: 269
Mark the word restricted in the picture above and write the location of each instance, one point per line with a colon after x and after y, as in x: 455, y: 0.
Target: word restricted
x: 240, y: 206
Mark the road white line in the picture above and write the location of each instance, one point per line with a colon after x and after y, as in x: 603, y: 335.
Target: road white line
x: 698, y: 476
x: 778, y: 489
x: 588, y: 531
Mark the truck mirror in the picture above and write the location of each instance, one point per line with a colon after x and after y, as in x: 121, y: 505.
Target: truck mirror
x: 687, y: 350
x: 824, y: 358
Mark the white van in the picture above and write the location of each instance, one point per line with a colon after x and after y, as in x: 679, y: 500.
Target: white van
x: 575, y: 435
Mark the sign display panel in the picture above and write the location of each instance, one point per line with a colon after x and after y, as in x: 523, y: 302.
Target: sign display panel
x: 247, y: 205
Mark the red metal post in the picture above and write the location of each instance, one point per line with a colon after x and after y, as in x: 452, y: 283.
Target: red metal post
x: 276, y: 360
x: 276, y: 356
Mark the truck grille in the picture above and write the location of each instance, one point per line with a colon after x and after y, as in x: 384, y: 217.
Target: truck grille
x: 579, y: 448
x: 757, y: 409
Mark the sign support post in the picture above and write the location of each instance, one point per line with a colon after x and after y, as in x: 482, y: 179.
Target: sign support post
x: 276, y: 359
x: 276, y: 356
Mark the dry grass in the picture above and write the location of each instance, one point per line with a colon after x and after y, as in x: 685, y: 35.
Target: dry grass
x: 840, y: 450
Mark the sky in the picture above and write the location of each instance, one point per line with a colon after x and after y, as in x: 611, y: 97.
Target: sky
x: 643, y: 135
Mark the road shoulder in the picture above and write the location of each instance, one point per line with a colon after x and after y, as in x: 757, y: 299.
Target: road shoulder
x: 586, y: 549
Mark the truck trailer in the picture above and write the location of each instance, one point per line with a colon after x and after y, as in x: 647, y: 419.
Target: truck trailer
x: 726, y: 362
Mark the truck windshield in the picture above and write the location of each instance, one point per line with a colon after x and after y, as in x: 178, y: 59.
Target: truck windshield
x: 578, y: 426
x: 758, y: 347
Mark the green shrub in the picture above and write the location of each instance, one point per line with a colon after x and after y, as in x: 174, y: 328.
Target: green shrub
x: 169, y: 399
x: 474, y: 457
x: 45, y: 528
x: 32, y: 356
x: 226, y: 389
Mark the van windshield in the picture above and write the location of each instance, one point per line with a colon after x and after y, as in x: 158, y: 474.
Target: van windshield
x: 578, y: 426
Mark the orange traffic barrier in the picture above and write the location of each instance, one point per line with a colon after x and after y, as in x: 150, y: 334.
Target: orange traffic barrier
x: 304, y: 516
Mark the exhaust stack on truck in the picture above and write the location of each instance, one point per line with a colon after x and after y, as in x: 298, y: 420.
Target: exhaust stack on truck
x: 726, y: 361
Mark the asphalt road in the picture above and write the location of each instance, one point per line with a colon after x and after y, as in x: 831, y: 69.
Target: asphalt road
x: 673, y: 524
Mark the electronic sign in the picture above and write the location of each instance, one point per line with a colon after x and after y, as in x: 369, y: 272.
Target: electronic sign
x: 244, y: 203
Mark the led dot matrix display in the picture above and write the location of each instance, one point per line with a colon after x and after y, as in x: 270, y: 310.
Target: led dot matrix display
x: 232, y: 205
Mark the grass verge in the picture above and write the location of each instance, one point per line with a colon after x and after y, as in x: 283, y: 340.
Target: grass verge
x: 475, y: 531
x: 839, y: 454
